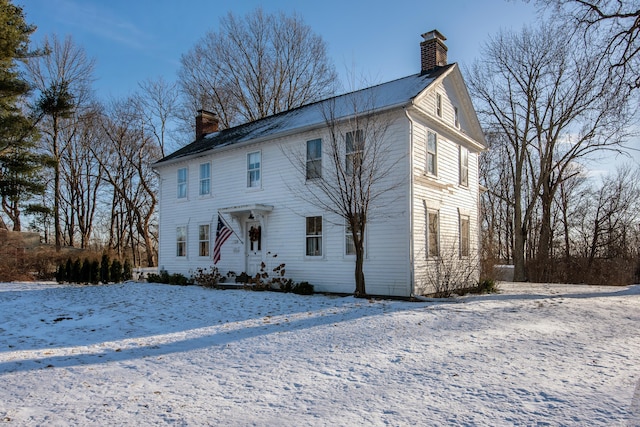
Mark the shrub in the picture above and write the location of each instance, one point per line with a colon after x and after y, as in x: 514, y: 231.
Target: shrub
x: 68, y: 270
x: 115, y: 271
x: 85, y: 271
x: 61, y: 273
x: 75, y: 271
x: 170, y: 279
x: 105, y: 263
x: 127, y: 270
x: 94, y: 272
x: 302, y: 288
x: 486, y: 286
x: 207, y: 279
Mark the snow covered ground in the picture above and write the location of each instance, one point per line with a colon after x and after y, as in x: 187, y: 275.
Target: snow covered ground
x: 148, y: 354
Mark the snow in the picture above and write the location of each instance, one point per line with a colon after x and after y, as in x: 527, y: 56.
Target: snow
x: 148, y: 354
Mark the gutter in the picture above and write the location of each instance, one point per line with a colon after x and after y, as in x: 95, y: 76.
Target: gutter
x: 411, y: 222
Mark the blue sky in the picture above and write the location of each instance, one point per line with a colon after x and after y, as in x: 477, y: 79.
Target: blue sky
x: 132, y: 40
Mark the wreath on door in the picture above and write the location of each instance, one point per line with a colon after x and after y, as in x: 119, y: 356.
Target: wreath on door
x: 254, y: 233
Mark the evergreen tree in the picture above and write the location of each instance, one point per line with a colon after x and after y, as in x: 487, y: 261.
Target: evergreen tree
x: 116, y: 271
x: 94, y: 276
x: 75, y: 271
x: 61, y: 274
x: 127, y: 270
x: 69, y: 270
x: 85, y: 272
x: 104, y: 268
x: 18, y: 163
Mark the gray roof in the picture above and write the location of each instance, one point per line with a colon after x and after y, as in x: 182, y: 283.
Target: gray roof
x: 384, y: 96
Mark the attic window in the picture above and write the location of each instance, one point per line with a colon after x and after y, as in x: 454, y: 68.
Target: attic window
x: 439, y: 105
x: 456, y: 117
x: 432, y: 153
x: 464, y: 167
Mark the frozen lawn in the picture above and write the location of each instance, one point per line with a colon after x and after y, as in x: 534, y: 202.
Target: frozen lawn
x: 148, y: 354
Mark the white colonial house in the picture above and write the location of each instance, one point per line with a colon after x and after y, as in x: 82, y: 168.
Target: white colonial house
x: 245, y: 175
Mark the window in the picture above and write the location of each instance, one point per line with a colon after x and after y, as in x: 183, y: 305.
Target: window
x: 464, y: 236
x: 456, y: 117
x: 439, y: 105
x: 314, y: 236
x: 314, y: 159
x: 354, y: 151
x: 349, y: 244
x: 432, y: 153
x: 182, y: 183
x: 203, y: 240
x: 464, y: 166
x: 181, y: 241
x: 253, y: 170
x: 433, y: 231
x: 205, y: 178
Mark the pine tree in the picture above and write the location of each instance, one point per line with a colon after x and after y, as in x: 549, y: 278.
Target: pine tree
x: 104, y: 268
x: 18, y: 164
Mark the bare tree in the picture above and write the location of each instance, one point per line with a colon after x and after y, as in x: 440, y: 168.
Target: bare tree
x: 610, y: 212
x: 125, y: 160
x: 554, y: 106
x: 615, y: 23
x: 157, y: 104
x: 82, y: 175
x: 254, y: 67
x: 357, y: 177
x: 63, y: 79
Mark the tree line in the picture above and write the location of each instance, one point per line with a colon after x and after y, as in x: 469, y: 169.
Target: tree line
x: 78, y: 168
x: 554, y: 99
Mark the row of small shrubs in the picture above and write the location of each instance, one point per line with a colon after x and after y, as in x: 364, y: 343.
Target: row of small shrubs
x: 212, y: 278
x: 170, y: 279
x: 94, y: 271
x: 263, y: 281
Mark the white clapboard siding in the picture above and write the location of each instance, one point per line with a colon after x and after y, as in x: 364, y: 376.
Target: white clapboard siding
x: 386, y: 265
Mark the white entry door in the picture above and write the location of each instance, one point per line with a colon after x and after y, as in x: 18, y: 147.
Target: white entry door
x: 253, y: 247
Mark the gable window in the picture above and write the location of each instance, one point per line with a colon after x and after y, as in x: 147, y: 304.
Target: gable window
x: 203, y: 240
x: 439, y: 105
x: 464, y: 166
x: 349, y: 244
x: 181, y: 241
x: 433, y: 234
x: 432, y: 153
x: 354, y: 151
x: 314, y: 159
x: 464, y: 236
x: 456, y: 117
x: 205, y: 178
x: 253, y: 169
x: 182, y: 183
x: 314, y: 236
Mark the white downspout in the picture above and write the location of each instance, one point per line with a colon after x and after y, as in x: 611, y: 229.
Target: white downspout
x: 411, y: 250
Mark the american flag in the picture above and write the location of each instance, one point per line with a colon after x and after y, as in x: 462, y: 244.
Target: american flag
x: 223, y: 232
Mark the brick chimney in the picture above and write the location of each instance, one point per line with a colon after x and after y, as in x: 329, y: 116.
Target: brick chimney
x: 206, y: 122
x: 433, y: 51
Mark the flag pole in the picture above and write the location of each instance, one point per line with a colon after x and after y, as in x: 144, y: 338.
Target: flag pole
x: 230, y: 227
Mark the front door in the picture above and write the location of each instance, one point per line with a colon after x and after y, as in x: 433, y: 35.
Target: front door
x: 253, y: 247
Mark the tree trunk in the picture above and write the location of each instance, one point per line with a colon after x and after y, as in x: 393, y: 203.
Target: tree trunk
x: 358, y: 240
x: 544, y: 243
x: 56, y: 185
